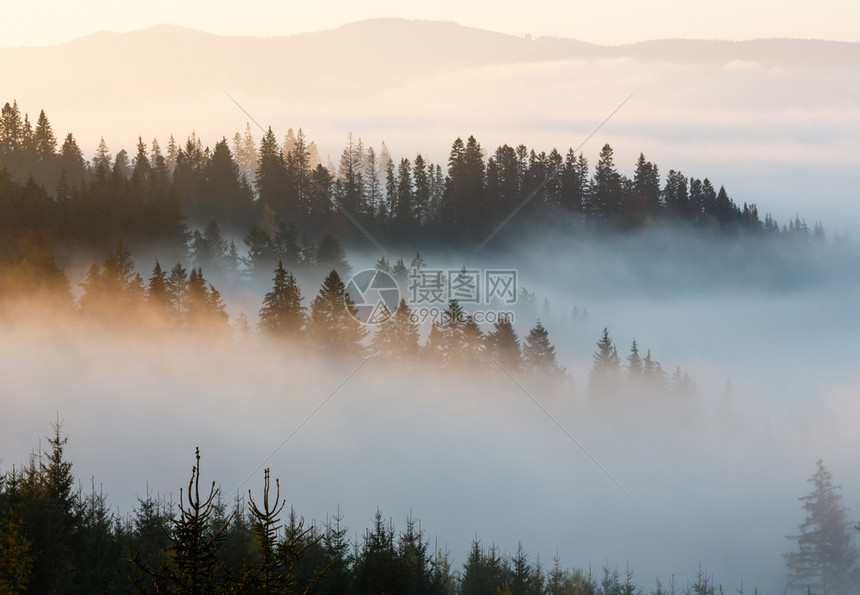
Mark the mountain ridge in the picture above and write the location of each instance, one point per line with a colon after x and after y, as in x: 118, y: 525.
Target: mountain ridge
x: 414, y: 33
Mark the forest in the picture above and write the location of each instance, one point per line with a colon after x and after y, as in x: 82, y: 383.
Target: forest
x: 169, y: 236
x: 56, y: 537
x: 281, y: 199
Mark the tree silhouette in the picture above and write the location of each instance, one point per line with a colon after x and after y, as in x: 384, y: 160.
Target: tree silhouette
x: 283, y: 314
x: 539, y: 353
x: 192, y: 565
x: 607, y: 368
x: 332, y: 324
x: 396, y: 337
x: 825, y: 561
x: 504, y: 345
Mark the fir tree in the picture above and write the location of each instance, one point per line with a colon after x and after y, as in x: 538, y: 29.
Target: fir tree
x: 825, y: 561
x: 193, y: 566
x: 606, y: 369
x: 396, y: 337
x: 539, y: 353
x: 635, y: 367
x: 330, y: 255
x: 332, y: 324
x: 504, y: 345
x: 283, y: 314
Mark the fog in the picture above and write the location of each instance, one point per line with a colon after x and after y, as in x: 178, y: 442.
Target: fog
x: 767, y: 332
x: 775, y: 121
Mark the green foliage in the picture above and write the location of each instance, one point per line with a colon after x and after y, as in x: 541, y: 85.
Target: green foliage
x: 16, y: 561
x: 53, y: 539
x: 192, y: 565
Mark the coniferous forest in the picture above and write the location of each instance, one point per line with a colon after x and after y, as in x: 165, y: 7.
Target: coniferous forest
x: 158, y: 240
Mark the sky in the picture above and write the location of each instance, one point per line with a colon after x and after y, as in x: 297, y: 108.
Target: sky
x: 46, y: 22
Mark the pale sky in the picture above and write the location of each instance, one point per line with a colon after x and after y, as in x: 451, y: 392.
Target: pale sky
x: 46, y: 22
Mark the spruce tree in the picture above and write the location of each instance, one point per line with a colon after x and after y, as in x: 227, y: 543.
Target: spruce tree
x: 269, y: 575
x: 825, y: 561
x: 504, y: 345
x: 283, y: 314
x: 539, y: 353
x: 396, y: 337
x: 330, y: 255
x: 177, y: 292
x: 332, y: 324
x: 606, y: 370
x: 377, y: 567
x: 635, y: 366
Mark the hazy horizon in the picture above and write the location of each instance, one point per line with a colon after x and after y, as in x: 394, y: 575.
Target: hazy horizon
x: 764, y: 322
x: 775, y: 122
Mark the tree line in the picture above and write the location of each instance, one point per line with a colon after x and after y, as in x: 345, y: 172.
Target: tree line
x: 262, y: 189
x: 327, y: 326
x: 58, y: 538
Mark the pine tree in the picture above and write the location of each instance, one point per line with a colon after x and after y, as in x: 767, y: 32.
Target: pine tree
x: 330, y: 255
x: 209, y: 249
x: 606, y: 369
x: 283, y: 314
x: 193, y: 566
x: 142, y: 165
x: 270, y: 574
x: 16, y: 558
x: 825, y: 562
x: 261, y: 252
x: 452, y: 340
x: 399, y: 271
x: 72, y: 162
x: 396, y: 337
x: 606, y: 187
x: 377, y: 568
x: 337, y: 577
x: 349, y: 187
x: 112, y: 283
x: 102, y: 158
x: 332, y: 324
x: 415, y: 561
x: 45, y: 149
x: 156, y: 291
x: 504, y: 345
x: 539, y: 353
x: 51, y: 516
x: 483, y: 571
x: 177, y: 292
x: 421, y: 196
x: 653, y: 372
x: 635, y: 367
x: 404, y: 210
x: 271, y: 171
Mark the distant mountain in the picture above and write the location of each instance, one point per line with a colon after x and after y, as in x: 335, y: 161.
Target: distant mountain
x: 402, y: 78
